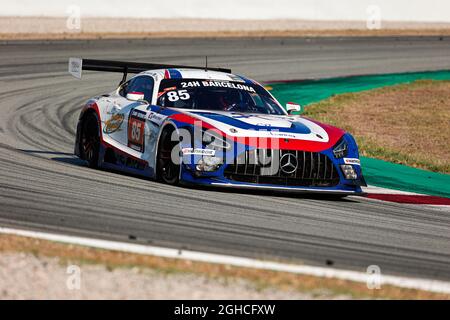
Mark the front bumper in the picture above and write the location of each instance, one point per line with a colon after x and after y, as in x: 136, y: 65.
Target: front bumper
x: 313, y: 172
x: 187, y: 178
x: 219, y: 183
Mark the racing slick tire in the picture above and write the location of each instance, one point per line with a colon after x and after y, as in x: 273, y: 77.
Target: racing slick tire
x: 168, y: 171
x: 90, y: 140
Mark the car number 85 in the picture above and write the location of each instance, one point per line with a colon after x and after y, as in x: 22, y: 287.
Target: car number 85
x: 178, y: 95
x: 136, y: 131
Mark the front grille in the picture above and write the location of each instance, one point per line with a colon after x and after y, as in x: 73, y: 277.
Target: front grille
x: 254, y: 166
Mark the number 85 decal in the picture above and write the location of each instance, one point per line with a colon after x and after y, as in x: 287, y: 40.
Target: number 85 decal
x: 136, y: 131
x: 178, y: 95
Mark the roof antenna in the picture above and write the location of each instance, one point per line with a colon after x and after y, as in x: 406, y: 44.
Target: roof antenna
x: 206, y: 63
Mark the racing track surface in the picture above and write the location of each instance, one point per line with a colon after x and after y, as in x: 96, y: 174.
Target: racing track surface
x: 43, y: 187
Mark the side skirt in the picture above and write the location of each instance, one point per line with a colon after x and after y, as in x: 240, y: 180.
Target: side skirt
x: 119, y: 161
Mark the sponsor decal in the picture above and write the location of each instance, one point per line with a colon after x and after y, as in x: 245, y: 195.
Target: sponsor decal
x: 220, y: 84
x: 138, y: 114
x: 136, y: 130
x: 166, y: 90
x: 354, y: 161
x: 282, y: 134
x: 156, y: 118
x: 198, y: 152
x: 190, y: 84
x: 114, y: 123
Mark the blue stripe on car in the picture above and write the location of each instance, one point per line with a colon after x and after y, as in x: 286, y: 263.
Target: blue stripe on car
x: 175, y: 74
x: 247, y: 81
x: 297, y: 127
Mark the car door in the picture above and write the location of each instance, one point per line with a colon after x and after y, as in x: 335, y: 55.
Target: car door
x: 132, y: 113
x: 136, y: 128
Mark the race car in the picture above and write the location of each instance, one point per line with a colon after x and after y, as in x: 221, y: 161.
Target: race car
x: 210, y: 127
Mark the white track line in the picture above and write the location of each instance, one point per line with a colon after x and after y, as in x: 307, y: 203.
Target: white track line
x: 380, y: 190
x: 404, y: 282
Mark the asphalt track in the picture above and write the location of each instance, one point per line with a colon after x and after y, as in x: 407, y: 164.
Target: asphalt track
x: 44, y: 187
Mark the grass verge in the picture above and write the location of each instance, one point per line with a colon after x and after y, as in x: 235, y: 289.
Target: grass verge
x: 261, y: 278
x: 407, y: 124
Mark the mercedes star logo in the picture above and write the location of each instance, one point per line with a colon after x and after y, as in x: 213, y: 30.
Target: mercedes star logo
x: 288, y: 163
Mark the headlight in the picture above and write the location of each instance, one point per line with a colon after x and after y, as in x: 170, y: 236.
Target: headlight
x: 208, y: 163
x: 213, y: 140
x: 349, y: 172
x: 341, y: 149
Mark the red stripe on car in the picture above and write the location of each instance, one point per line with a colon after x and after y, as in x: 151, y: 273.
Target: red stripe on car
x: 273, y: 143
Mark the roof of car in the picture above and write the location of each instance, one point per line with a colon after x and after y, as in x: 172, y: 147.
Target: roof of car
x: 187, y: 73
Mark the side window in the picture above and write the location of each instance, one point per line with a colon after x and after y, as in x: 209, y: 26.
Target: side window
x: 123, y: 89
x: 142, y: 84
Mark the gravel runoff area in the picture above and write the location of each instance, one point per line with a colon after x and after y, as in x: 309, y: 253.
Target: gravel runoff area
x: 46, y: 27
x: 39, y: 269
x: 26, y: 276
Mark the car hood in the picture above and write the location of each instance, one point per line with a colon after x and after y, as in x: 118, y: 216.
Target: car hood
x: 286, y: 127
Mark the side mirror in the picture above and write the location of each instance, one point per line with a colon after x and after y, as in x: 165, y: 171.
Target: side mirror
x: 291, y: 107
x: 135, y: 96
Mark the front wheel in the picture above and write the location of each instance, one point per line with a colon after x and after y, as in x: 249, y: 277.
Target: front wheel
x: 168, y: 170
x: 90, y: 140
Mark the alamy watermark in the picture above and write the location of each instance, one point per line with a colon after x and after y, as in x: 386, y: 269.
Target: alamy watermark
x: 73, y: 281
x: 374, y: 278
x: 373, y: 21
x: 73, y: 22
x: 212, y: 145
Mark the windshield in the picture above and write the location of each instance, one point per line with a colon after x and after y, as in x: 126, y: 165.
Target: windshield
x: 216, y: 95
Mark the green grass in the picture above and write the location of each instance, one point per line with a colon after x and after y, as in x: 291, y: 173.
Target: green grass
x: 421, y: 109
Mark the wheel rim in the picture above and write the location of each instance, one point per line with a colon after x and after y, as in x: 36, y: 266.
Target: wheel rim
x: 90, y: 140
x: 169, y: 170
x: 88, y: 148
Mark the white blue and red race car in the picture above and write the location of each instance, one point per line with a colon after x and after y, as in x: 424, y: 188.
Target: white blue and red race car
x: 207, y: 126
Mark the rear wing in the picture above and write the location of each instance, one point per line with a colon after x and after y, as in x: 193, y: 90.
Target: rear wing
x: 77, y: 65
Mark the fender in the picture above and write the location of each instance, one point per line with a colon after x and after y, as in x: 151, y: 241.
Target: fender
x: 90, y: 106
x: 166, y: 123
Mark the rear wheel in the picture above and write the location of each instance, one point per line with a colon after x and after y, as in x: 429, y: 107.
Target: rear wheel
x: 90, y: 140
x: 168, y: 171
